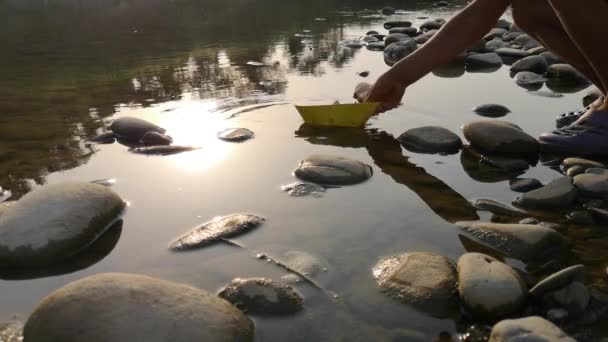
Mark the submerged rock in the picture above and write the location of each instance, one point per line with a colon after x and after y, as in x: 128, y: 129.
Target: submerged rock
x: 128, y: 307
x: 262, y: 296
x: 559, y: 193
x: 424, y: 280
x: 130, y: 128
x: 489, y: 288
x: 491, y: 110
x: 559, y: 279
x: 375, y: 46
x: 525, y: 184
x: 155, y: 139
x: 162, y: 150
x: 500, y: 137
x: 299, y: 189
x: 520, y: 241
x: 528, y: 329
x: 430, y: 139
x: 333, y: 170
x: 54, y: 222
x: 222, y: 227
x: 235, y: 134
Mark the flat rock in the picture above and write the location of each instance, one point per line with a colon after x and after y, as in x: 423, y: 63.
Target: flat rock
x: 155, y: 139
x: 163, y: 150
x: 131, y: 128
x: 566, y: 73
x: 491, y: 110
x: 390, y: 24
x: 551, y: 58
x: 333, y: 170
x: 127, y: 307
x: 496, y: 43
x: 262, y: 296
x: 397, y: 37
x: 222, y: 227
x: 431, y: 139
x: 585, y: 163
x: 483, y: 61
x: 528, y: 329
x: 495, y: 33
x: 500, y: 137
x: 592, y: 185
x: 235, y: 134
x: 525, y: 78
x: 559, y: 279
x: 574, y: 297
x: 525, y: 184
x: 512, y: 53
x: 559, y: 193
x: 489, y: 288
x: 410, y: 31
x: 54, y: 222
x: 520, y: 241
x: 423, y: 280
x: 536, y: 64
x: 423, y: 38
x: 395, y: 52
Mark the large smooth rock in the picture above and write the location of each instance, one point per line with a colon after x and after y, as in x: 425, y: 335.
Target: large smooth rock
x: 495, y: 33
x: 262, y: 296
x: 495, y: 44
x: 54, y: 222
x: 525, y: 184
x: 536, y: 64
x: 489, y: 288
x: 395, y: 52
x: 396, y: 37
x: 500, y: 137
x: 585, y: 163
x: 551, y: 58
x: 423, y: 38
x: 130, y: 128
x: 431, y: 139
x: 559, y: 280
x: 127, y: 307
x: 425, y: 280
x: 512, y: 53
x: 559, y: 193
x: 390, y: 24
x: 532, y: 329
x: 483, y: 61
x: 520, y: 241
x: 566, y: 73
x: 333, y: 170
x: 592, y: 185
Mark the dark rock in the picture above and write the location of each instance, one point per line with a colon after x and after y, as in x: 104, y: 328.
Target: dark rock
x: 509, y: 37
x: 557, y: 316
x: 503, y: 24
x: 375, y: 46
x: 430, y: 139
x: 441, y: 4
x: 574, y: 297
x: 500, y: 137
x: 592, y: 185
x: 558, y: 280
x: 551, y: 58
x: 390, y: 24
x: 104, y: 138
x: 155, y: 139
x: 566, y: 73
x: 395, y: 52
x: 559, y: 193
x: 495, y: 33
x: 575, y: 171
x: 495, y: 44
x: 371, y: 33
x: 262, y: 296
x: 388, y: 10
x: 333, y: 170
x: 363, y: 73
x: 528, y: 78
x: 396, y: 37
x: 423, y: 38
x: 497, y: 208
x: 162, y: 150
x: 591, y: 96
x: 434, y: 24
x: 483, y: 61
x: 538, y: 50
x: 512, y: 53
x: 130, y: 128
x: 525, y: 184
x: 536, y: 64
x: 580, y: 217
x: 528, y: 329
x: 410, y: 31
x: 491, y: 110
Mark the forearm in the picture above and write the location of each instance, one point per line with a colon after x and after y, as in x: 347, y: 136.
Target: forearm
x: 458, y: 34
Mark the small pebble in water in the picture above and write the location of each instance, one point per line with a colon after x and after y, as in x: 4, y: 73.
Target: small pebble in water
x: 299, y: 189
x: 261, y: 256
x: 363, y: 73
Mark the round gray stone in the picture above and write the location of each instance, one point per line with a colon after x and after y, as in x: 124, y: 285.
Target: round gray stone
x: 395, y: 52
x: 262, y: 296
x: 592, y: 185
x: 559, y: 279
x: 524, y: 78
x: 536, y: 64
x: 491, y: 110
x: 483, y: 61
x: 525, y: 184
x: 528, y: 329
x: 128, y: 307
x: 333, y: 170
x: 423, y: 280
x: 566, y: 73
x: 431, y: 139
x: 559, y: 193
x: 488, y: 287
x: 551, y: 58
x: 500, y: 137
x: 131, y: 128
x: 585, y: 163
x: 55, y: 222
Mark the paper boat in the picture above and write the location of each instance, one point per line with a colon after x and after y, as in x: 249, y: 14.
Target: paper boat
x: 338, y: 115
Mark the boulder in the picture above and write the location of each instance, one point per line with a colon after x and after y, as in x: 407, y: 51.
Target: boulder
x: 489, y: 288
x: 520, y: 241
x: 558, y: 194
x: 333, y: 170
x: 430, y: 139
x: 528, y: 329
x: 500, y: 137
x: 128, y: 307
x: 54, y: 222
x: 132, y: 129
x: 536, y: 64
x: 424, y: 280
x: 262, y: 296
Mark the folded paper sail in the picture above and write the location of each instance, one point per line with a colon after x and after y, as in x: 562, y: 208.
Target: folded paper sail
x: 338, y: 115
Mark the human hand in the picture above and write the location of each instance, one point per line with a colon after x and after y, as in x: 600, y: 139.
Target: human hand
x: 387, y: 90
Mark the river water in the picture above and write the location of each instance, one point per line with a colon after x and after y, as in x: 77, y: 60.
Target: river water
x: 70, y: 67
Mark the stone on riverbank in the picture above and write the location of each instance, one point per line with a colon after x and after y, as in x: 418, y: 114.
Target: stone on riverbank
x: 333, y: 170
x: 558, y: 194
x: 54, y: 222
x: 512, y: 53
x: 500, y: 137
x: 536, y: 64
x: 423, y: 38
x: 132, y: 129
x: 431, y: 139
x: 495, y: 44
x: 525, y: 184
x: 503, y: 24
x: 410, y: 31
x: 528, y: 329
x: 391, y: 24
x: 127, y: 307
x: 489, y: 288
x: 551, y: 58
x: 397, y: 37
x: 424, y: 280
x: 388, y: 10
x: 262, y: 296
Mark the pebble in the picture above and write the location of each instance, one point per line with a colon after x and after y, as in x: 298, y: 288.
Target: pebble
x: 410, y: 31
x: 525, y: 78
x: 333, y: 170
x: 423, y: 38
x: 573, y: 297
x: 491, y: 110
x: 575, y: 171
x: 433, y: 24
x: 235, y: 134
x: 388, y: 10
x: 162, y: 150
x: 551, y: 58
x: 396, y: 37
x: 262, y: 296
x: 557, y: 316
x: 299, y: 189
x: 495, y: 44
x: 500, y: 137
x: 363, y: 73
x: 532, y: 328
x: 536, y: 64
x: 559, y: 193
x: 512, y: 53
x: 497, y: 208
x: 483, y: 61
x: 503, y: 24
x: 525, y: 184
x: 132, y: 129
x: 584, y: 163
x: 430, y: 139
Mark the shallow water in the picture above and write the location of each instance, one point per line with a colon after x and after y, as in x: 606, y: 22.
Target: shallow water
x: 69, y: 69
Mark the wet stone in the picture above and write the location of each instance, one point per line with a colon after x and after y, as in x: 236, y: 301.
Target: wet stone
x: 520, y: 241
x: 566, y: 73
x: 500, y: 137
x: 410, y: 31
x: 299, y: 189
x: 575, y: 171
x: 495, y: 44
x: 559, y: 193
x: 363, y: 73
x: 397, y: 37
x: 495, y: 33
x: 368, y: 39
x: 395, y: 52
x: 391, y: 24
x: 503, y: 24
x: 376, y: 46
x: 524, y: 78
x: 333, y: 170
x: 433, y: 24
x: 497, y: 208
x: 511, y: 36
x: 536, y: 64
x: 528, y: 329
x: 585, y: 163
x: 388, y: 10
x: 488, y: 287
x: 219, y: 228
x: 505, y: 163
x: 235, y: 134
x: 538, y: 50
x: 162, y: 150
x: 372, y: 32
x: 483, y: 61
x: 559, y: 280
x: 104, y: 138
x: 155, y: 139
x: 557, y: 316
x: 491, y: 110
x: 551, y: 58
x: 262, y: 296
x: 303, y: 262
x: 131, y: 128
x: 580, y: 217
x: 430, y: 139
x: 592, y: 185
x: 529, y: 220
x: 423, y: 280
x: 574, y: 298
x: 129, y: 307
x: 525, y: 184
x: 512, y: 53
x: 423, y: 38
x: 54, y: 222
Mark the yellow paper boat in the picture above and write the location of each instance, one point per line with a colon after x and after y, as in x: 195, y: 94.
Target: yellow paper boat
x: 338, y: 115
